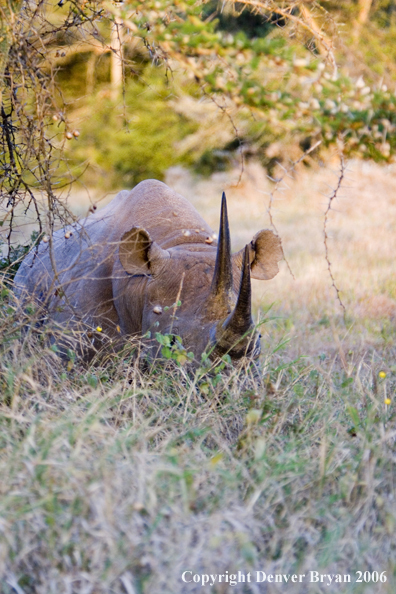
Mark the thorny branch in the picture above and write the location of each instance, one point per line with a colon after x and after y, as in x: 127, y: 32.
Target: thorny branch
x: 278, y: 181
x: 226, y: 112
x: 306, y: 22
x: 30, y: 149
x: 332, y: 197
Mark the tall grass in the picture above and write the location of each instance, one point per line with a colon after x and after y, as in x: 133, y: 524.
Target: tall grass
x: 115, y: 480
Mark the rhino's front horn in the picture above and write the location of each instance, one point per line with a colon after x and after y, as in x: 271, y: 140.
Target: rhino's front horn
x: 231, y: 337
x: 222, y: 279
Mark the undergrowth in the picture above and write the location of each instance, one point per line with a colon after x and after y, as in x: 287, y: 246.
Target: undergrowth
x: 119, y: 480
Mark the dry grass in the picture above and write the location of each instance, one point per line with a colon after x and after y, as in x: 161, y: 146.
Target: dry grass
x: 362, y: 248
x: 117, y: 481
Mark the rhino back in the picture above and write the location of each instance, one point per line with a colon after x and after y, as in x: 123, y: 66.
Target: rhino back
x: 166, y: 215
x: 85, y: 262
x: 78, y: 265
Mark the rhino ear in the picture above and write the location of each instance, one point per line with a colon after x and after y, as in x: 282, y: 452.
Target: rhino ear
x: 265, y: 252
x: 139, y: 254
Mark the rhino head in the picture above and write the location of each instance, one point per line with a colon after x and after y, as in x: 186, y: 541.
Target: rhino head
x: 198, y: 291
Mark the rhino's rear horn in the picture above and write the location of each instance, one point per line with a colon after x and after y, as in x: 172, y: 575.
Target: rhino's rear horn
x: 222, y: 278
x: 240, y: 320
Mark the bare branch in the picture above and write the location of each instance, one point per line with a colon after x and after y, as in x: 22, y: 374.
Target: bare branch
x: 332, y: 197
x: 278, y: 181
x: 306, y: 22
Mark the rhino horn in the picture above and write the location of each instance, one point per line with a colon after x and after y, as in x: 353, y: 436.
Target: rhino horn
x: 240, y: 320
x: 231, y: 336
x: 222, y: 279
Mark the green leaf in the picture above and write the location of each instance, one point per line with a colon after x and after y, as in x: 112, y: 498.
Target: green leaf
x: 163, y: 339
x: 166, y: 352
x: 353, y: 413
x: 181, y: 357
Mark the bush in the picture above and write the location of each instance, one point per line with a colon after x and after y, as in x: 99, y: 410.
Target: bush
x: 126, y: 143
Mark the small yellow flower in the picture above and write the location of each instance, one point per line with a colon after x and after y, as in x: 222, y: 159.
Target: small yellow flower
x: 98, y: 329
x: 118, y: 329
x: 387, y: 401
x: 382, y: 374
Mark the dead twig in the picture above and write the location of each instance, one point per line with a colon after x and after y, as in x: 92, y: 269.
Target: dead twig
x: 278, y: 181
x: 226, y: 112
x: 332, y: 197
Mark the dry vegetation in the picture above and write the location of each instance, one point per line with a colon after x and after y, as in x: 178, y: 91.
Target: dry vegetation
x: 116, y: 481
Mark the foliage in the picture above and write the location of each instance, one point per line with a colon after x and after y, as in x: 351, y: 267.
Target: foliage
x: 276, y: 93
x: 133, y: 141
x: 275, y: 90
x: 367, y: 47
x: 268, y: 67
x: 172, y: 348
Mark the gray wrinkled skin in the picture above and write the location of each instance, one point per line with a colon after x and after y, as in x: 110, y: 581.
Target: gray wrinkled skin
x: 125, y: 265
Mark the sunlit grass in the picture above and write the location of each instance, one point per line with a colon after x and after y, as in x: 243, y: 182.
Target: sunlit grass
x: 114, y: 476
